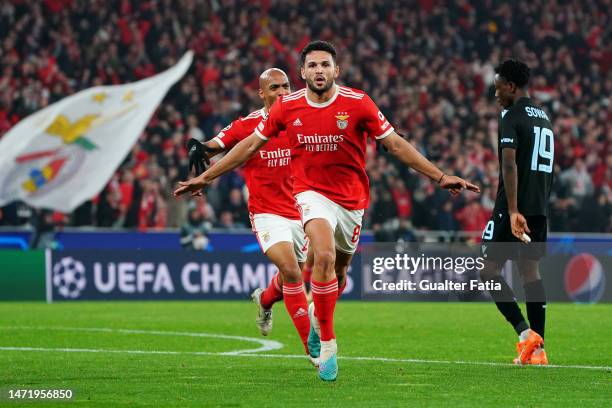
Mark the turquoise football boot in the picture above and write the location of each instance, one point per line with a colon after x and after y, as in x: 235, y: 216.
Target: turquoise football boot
x: 328, y: 369
x: 314, y: 341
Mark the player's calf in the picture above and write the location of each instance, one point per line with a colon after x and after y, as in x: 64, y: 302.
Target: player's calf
x: 504, y: 299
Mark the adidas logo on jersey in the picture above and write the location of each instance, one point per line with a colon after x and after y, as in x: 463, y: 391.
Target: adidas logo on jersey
x: 301, y: 312
x: 297, y: 122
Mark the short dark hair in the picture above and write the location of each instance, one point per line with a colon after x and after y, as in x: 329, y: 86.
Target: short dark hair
x: 514, y: 71
x: 318, y: 46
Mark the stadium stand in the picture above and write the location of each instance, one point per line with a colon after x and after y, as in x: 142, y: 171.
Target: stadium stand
x: 428, y: 65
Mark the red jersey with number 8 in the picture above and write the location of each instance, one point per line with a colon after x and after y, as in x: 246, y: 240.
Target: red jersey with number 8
x: 328, y: 142
x: 268, y: 173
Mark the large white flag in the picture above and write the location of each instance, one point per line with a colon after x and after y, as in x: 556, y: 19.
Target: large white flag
x: 65, y: 154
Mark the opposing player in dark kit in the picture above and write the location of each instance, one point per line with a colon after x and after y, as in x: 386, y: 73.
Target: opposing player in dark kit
x: 517, y: 229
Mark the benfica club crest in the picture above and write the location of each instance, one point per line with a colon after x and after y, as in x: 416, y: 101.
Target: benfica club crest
x: 342, y: 120
x: 68, y: 159
x: 65, y: 154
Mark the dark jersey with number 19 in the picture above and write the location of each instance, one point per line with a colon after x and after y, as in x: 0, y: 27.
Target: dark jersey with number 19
x: 527, y: 128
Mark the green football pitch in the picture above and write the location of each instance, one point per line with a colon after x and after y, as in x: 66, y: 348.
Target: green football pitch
x: 210, y: 354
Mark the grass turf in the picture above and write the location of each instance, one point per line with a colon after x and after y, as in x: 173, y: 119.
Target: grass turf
x: 576, y: 335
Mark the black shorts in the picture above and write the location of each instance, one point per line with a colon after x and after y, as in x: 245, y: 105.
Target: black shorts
x: 498, y: 243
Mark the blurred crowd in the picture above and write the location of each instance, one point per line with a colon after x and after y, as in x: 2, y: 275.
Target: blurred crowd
x: 427, y: 64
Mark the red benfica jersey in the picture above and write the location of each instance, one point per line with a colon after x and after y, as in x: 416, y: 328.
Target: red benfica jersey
x: 328, y: 142
x: 268, y: 172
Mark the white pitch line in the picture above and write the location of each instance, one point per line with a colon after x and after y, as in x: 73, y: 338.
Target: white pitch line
x: 291, y: 356
x: 267, y: 345
x: 419, y: 361
x: 116, y: 351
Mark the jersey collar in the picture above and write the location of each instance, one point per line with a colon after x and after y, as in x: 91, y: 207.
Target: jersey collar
x: 324, y: 104
x: 263, y: 113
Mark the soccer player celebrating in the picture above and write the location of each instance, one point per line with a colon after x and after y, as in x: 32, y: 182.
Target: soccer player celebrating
x: 526, y: 151
x: 274, y: 216
x: 327, y: 125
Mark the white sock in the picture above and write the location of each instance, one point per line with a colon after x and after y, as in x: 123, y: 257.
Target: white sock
x: 314, y: 321
x: 524, y: 335
x: 328, y: 348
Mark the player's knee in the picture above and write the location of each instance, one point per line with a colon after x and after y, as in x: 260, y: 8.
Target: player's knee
x: 325, y: 260
x: 290, y: 271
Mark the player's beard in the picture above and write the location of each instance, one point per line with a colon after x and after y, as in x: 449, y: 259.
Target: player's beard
x: 320, y: 91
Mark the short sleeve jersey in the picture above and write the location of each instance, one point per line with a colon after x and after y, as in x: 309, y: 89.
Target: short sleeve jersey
x: 268, y: 173
x: 328, y: 142
x: 526, y: 128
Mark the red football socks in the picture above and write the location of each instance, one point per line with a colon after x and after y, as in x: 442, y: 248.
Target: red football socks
x: 271, y: 294
x: 307, y: 274
x: 297, y: 307
x: 324, y: 296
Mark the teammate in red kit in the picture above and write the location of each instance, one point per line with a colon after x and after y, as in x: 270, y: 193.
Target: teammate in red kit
x: 328, y: 125
x: 272, y: 207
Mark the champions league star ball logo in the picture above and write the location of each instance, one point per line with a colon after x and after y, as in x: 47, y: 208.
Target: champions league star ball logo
x: 584, y: 279
x: 69, y: 277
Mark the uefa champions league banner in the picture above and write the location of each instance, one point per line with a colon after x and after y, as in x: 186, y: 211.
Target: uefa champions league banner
x: 573, y: 272
x: 160, y: 275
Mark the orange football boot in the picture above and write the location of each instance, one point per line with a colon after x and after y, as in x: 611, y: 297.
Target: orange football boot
x: 526, y: 348
x: 538, y: 357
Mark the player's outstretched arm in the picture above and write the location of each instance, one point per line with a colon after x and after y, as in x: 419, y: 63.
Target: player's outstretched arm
x: 212, y: 148
x: 234, y: 158
x: 411, y: 157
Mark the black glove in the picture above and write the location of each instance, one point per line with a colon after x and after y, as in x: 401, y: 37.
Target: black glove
x: 198, y: 159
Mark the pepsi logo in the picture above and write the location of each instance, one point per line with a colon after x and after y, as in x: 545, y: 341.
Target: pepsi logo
x: 584, y: 279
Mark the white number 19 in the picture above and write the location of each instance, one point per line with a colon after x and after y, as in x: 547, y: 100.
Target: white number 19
x: 544, y: 147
